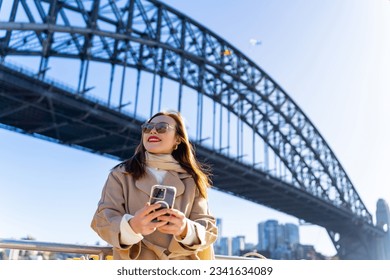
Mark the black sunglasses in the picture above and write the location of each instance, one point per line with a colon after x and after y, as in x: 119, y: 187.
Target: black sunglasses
x: 160, y: 127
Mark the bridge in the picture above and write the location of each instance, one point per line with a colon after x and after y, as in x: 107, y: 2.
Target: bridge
x: 132, y: 58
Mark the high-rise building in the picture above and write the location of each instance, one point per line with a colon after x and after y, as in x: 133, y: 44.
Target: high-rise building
x: 280, y: 235
x: 219, y: 226
x: 276, y: 239
x: 261, y: 244
x: 226, y: 246
x: 217, y: 243
x: 267, y: 235
x: 238, y: 245
x: 291, y: 234
x: 270, y: 234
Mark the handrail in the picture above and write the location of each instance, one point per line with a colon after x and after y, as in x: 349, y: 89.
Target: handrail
x: 31, y: 245
x: 101, y: 251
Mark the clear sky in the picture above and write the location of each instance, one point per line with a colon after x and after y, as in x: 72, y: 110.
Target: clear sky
x: 332, y: 57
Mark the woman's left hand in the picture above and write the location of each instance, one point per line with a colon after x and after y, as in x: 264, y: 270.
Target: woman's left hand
x: 177, y: 223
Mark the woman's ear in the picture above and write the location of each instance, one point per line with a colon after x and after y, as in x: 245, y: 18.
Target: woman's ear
x: 177, y: 143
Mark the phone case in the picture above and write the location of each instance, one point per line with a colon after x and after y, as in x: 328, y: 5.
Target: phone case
x: 164, y: 195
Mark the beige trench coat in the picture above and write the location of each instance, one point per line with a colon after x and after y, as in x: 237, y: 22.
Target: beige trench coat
x: 122, y: 194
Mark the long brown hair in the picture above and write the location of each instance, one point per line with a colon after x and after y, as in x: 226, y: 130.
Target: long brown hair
x: 184, y: 154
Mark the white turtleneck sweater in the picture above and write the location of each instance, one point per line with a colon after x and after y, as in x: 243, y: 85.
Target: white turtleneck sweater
x: 129, y: 237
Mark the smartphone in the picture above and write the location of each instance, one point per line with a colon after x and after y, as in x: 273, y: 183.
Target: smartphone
x: 164, y: 195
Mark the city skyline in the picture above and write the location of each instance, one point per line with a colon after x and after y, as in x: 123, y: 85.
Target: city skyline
x: 275, y: 241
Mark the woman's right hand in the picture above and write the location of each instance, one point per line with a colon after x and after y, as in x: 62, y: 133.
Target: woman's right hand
x: 142, y: 220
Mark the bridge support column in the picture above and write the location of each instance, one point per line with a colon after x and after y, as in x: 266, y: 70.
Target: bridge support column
x: 360, y: 245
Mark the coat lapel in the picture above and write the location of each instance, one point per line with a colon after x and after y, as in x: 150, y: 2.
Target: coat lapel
x: 146, y: 182
x: 172, y: 179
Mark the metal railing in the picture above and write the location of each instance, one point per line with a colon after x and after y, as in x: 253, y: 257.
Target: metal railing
x: 86, y: 250
x: 32, y: 245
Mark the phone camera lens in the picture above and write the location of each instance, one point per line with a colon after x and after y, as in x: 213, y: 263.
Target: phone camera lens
x: 160, y: 193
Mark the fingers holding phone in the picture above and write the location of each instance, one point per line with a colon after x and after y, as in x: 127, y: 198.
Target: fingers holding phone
x: 142, y: 222
x: 176, y: 223
x: 147, y: 219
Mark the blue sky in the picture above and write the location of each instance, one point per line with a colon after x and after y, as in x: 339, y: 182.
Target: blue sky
x: 332, y: 57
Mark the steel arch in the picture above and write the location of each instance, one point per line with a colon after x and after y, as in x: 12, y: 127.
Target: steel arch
x: 153, y: 37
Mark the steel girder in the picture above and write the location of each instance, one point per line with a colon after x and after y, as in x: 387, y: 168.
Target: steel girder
x: 153, y: 37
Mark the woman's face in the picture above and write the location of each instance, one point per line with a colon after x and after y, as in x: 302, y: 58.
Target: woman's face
x: 161, y: 143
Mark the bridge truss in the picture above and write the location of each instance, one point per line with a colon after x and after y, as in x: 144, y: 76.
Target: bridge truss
x: 254, y: 125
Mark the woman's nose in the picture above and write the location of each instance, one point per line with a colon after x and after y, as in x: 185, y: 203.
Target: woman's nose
x: 153, y: 131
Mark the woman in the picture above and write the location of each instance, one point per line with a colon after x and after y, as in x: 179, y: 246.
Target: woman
x: 126, y: 220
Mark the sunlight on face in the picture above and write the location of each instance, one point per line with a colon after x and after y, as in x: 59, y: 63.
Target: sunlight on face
x: 161, y: 143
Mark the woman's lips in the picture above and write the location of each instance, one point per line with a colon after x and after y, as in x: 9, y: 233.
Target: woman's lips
x: 153, y: 139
